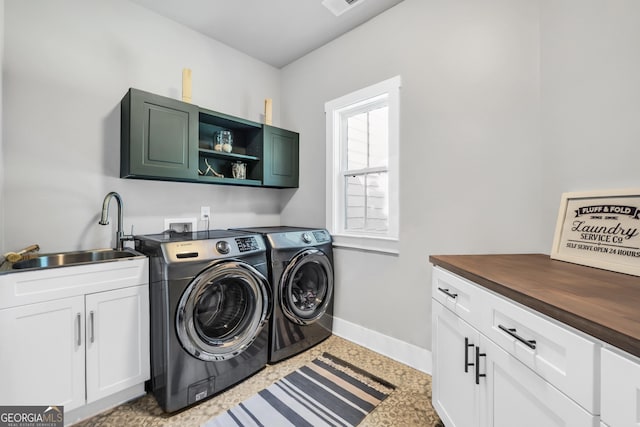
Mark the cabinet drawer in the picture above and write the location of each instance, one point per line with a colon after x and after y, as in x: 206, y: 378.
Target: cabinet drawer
x: 561, y: 356
x: 458, y: 295
x: 620, y: 389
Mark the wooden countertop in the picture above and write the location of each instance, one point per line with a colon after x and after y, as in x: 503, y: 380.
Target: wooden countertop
x: 603, y: 304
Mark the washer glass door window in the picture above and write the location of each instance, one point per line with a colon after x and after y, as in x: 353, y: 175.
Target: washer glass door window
x: 306, y: 287
x: 222, y: 311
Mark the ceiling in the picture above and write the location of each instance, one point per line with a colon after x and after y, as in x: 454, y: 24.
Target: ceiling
x: 274, y: 31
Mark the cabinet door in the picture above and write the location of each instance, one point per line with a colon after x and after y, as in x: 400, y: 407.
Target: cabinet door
x: 280, y: 157
x: 455, y: 394
x: 42, y: 360
x: 117, y: 340
x: 513, y: 395
x: 620, y: 389
x: 159, y: 137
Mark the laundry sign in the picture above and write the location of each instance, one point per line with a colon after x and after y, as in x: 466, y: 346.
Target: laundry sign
x: 600, y: 229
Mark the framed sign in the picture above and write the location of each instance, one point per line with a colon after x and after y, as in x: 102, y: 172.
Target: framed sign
x: 600, y: 229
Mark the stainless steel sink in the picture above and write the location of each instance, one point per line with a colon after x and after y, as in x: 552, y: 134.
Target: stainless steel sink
x: 75, y: 258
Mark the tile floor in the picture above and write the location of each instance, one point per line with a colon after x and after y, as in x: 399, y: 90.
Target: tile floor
x: 408, y: 405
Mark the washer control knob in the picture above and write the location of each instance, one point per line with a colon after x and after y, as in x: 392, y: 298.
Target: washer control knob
x: 223, y: 247
x: 306, y: 237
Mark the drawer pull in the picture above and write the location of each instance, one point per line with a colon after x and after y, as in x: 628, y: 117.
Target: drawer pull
x: 478, y: 374
x: 512, y: 331
x: 448, y: 293
x: 466, y: 354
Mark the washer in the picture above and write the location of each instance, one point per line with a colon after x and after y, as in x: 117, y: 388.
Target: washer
x: 301, y: 275
x: 210, y: 303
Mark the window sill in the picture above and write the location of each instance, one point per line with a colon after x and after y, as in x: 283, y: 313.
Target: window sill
x: 382, y: 245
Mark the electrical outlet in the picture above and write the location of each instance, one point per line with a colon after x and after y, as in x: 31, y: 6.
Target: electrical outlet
x: 205, y: 213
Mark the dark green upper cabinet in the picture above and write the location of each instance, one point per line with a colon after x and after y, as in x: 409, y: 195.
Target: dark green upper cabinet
x: 159, y: 137
x: 280, y: 157
x: 166, y: 139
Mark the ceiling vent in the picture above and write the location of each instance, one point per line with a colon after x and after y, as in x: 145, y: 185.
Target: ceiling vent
x: 338, y: 7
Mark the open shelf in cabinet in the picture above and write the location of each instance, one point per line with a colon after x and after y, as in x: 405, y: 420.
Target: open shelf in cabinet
x: 246, y: 148
x: 228, y: 156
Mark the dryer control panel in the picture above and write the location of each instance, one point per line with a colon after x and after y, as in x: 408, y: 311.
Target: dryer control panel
x: 298, y: 239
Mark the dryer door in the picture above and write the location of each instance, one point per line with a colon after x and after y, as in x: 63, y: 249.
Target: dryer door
x: 222, y: 310
x: 306, y: 287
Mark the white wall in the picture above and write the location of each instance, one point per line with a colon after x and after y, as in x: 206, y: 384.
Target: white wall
x: 590, y: 95
x: 470, y: 153
x: 67, y: 65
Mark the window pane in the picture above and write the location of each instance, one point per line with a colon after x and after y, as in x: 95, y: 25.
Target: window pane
x: 357, y: 141
x: 355, y: 203
x: 368, y: 139
x: 378, y: 137
x: 377, y: 202
x: 367, y: 203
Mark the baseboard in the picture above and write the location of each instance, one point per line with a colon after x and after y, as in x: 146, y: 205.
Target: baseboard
x: 409, y: 354
x: 94, y: 408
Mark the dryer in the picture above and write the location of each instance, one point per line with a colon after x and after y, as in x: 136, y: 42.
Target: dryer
x: 301, y: 276
x: 210, y: 303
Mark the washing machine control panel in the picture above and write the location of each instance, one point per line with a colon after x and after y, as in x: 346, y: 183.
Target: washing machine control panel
x: 210, y: 249
x: 247, y: 244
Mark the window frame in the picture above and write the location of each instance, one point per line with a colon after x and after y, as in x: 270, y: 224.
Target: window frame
x: 336, y: 166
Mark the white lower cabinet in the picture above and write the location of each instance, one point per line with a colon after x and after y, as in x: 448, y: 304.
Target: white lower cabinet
x: 620, y: 388
x: 52, y: 349
x: 76, y: 336
x: 479, y: 383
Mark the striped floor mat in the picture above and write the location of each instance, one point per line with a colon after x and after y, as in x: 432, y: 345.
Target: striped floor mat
x: 326, y: 392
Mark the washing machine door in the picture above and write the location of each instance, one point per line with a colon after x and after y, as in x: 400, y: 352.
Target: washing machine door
x: 222, y: 310
x: 306, y: 287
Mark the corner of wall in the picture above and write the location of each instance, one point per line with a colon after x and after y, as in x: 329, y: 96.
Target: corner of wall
x: 401, y: 351
x: 2, y: 248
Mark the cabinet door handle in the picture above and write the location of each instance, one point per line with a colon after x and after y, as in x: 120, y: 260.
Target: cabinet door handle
x: 466, y: 354
x: 79, y: 329
x: 478, y: 356
x: 91, y: 322
x: 448, y: 293
x: 512, y: 331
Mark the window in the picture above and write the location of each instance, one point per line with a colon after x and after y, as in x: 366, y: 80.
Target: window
x: 362, y: 167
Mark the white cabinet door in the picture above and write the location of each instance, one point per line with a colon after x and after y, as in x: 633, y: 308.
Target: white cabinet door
x: 513, y: 395
x: 620, y: 389
x: 455, y: 394
x: 117, y: 340
x: 42, y: 361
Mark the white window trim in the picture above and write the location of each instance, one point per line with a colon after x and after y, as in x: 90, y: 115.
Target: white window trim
x: 384, y: 244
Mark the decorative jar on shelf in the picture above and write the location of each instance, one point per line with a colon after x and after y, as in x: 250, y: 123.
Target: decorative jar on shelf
x: 223, y: 141
x: 239, y: 170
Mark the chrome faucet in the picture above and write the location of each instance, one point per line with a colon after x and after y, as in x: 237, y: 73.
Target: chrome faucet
x: 104, y: 219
